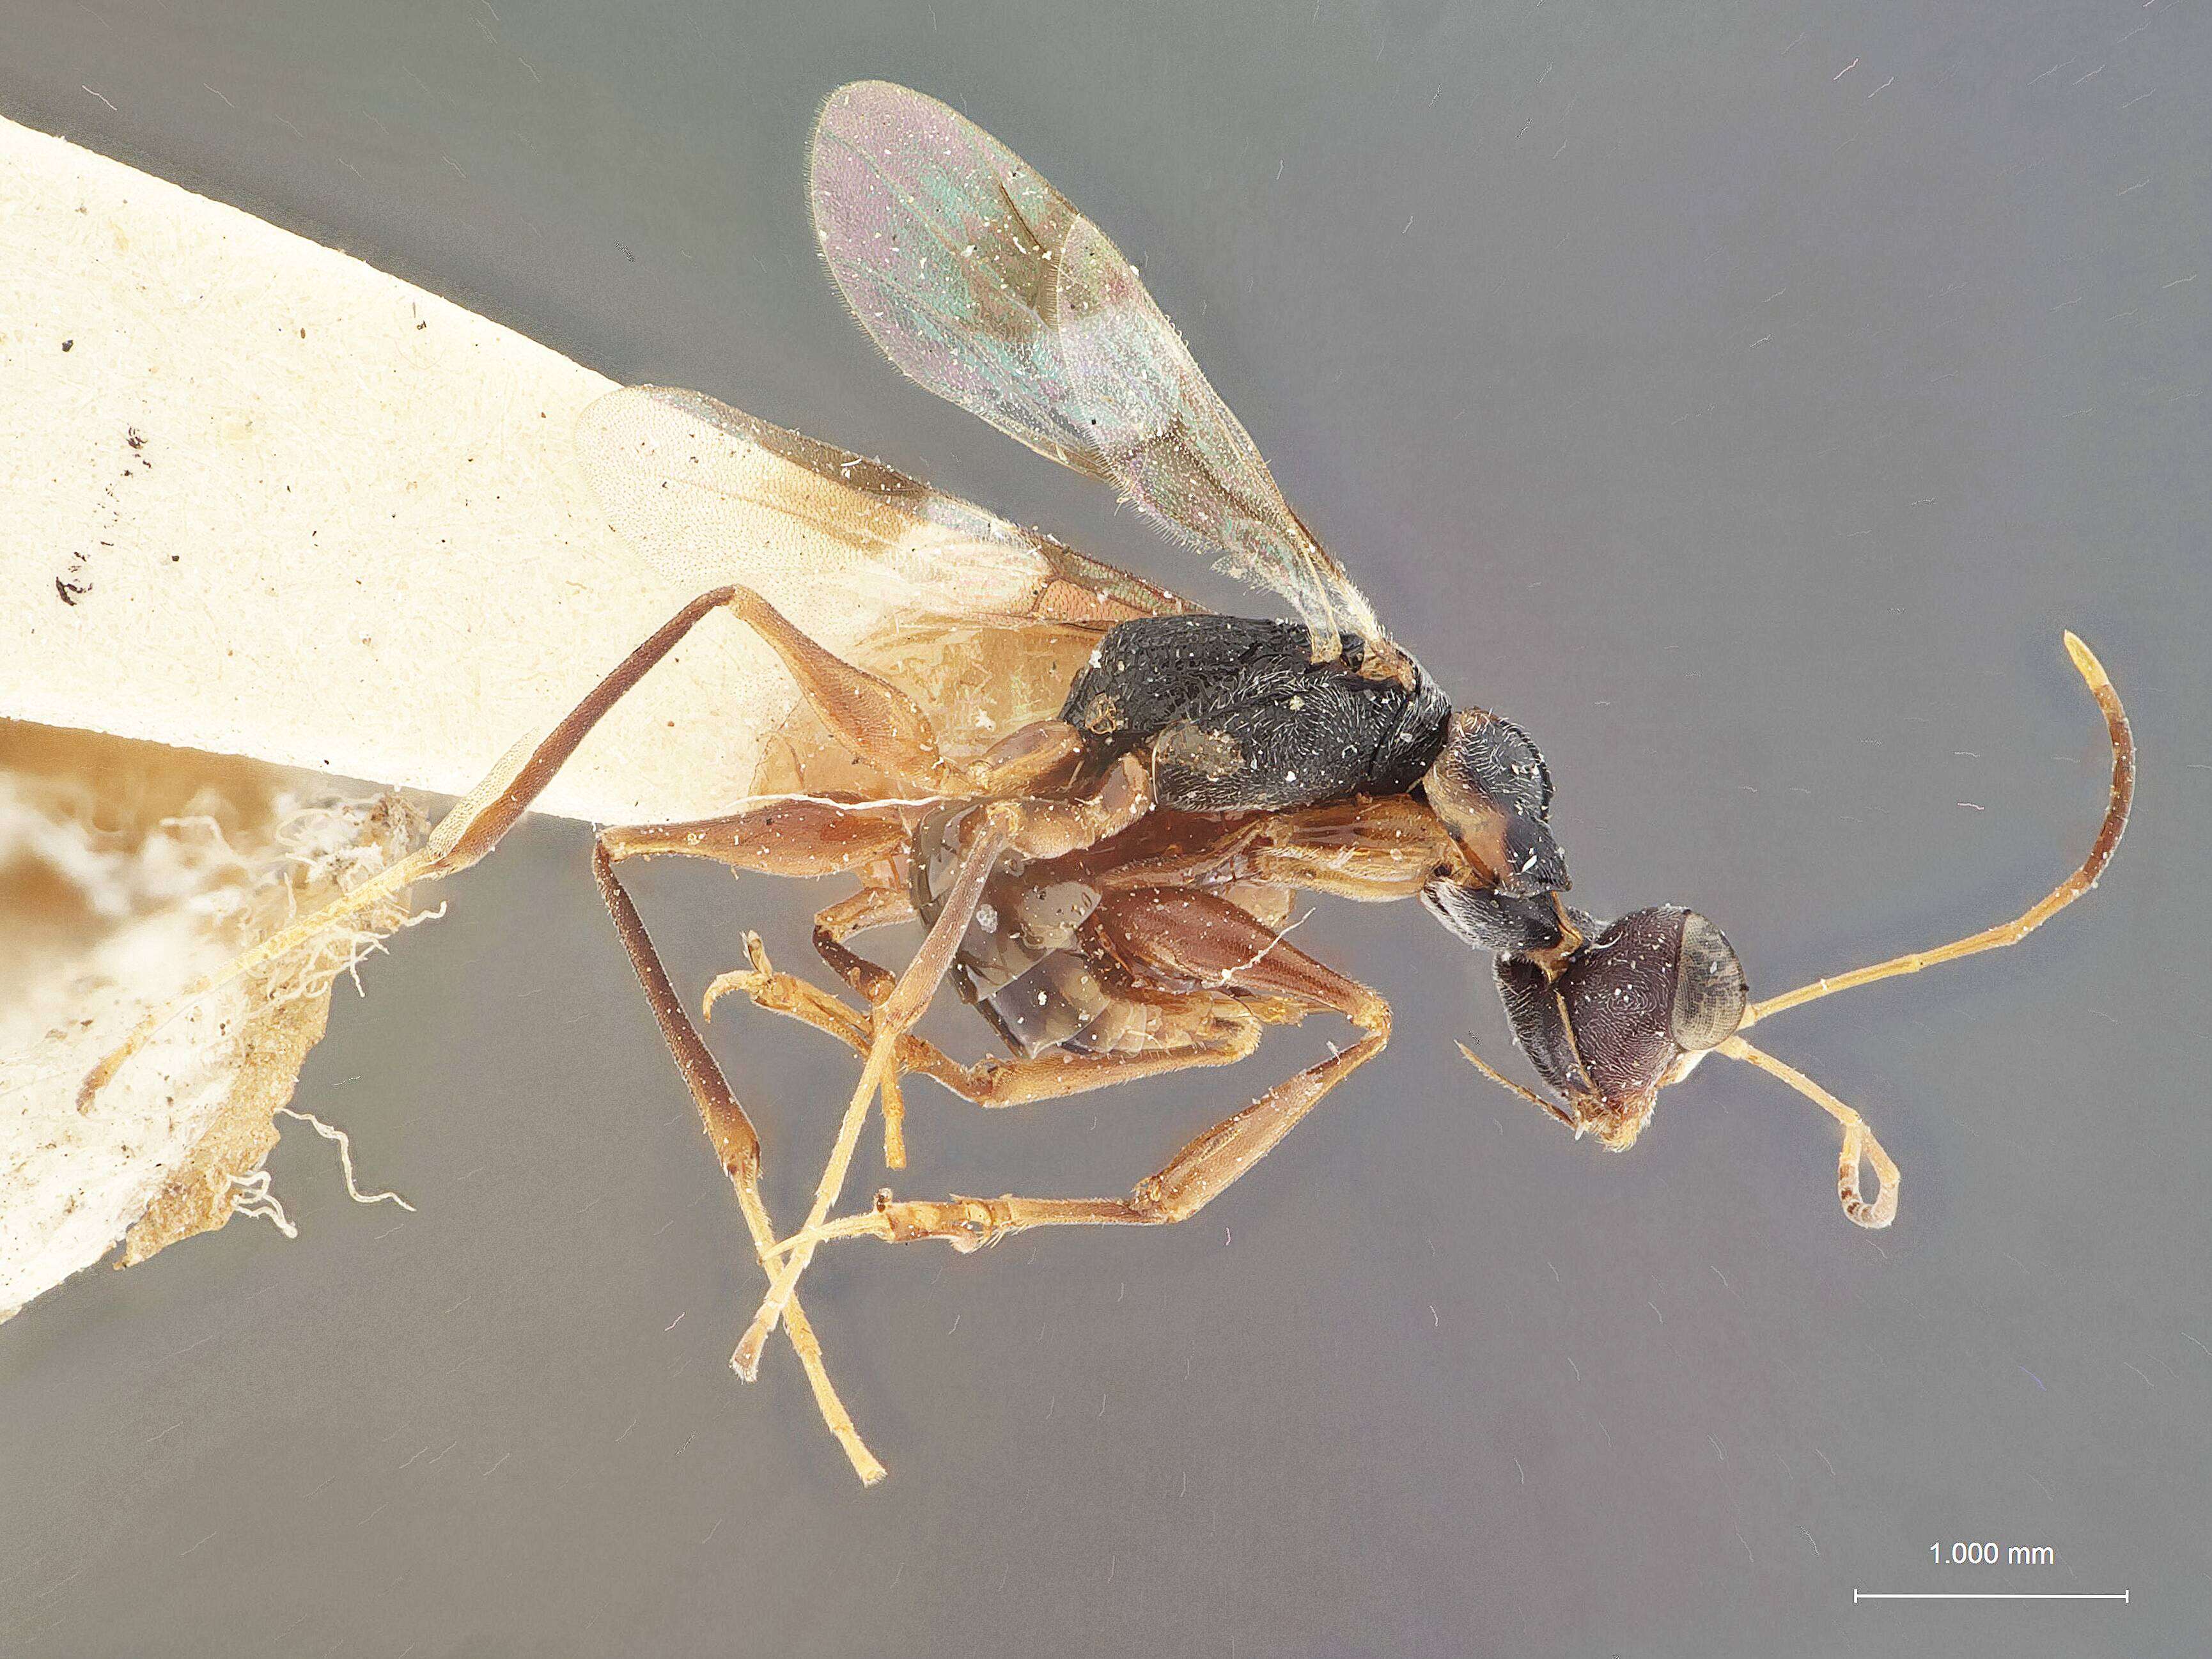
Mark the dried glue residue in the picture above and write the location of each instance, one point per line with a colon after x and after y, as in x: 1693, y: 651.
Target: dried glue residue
x: 127, y: 872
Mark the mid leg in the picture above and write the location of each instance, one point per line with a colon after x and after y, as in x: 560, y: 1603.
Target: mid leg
x: 767, y: 839
x: 1035, y: 829
x: 994, y: 1081
x: 1191, y: 936
x: 872, y: 907
x: 916, y: 989
x: 1184, y: 1185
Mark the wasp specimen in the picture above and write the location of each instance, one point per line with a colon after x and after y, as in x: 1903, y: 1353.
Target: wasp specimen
x: 1100, y: 800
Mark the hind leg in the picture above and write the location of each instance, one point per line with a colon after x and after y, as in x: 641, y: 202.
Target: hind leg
x: 874, y: 718
x: 792, y: 839
x: 883, y: 727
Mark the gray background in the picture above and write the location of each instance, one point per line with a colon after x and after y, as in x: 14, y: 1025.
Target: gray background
x: 1743, y: 398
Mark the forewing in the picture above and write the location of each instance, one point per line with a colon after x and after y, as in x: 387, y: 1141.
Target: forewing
x: 983, y: 623
x: 841, y: 543
x: 984, y: 284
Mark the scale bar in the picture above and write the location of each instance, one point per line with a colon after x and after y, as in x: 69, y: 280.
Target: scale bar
x: 1989, y: 1595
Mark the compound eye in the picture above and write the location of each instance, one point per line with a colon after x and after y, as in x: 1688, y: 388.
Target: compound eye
x: 1710, y: 992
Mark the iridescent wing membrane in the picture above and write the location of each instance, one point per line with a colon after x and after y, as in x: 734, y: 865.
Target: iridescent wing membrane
x: 984, y: 623
x: 984, y: 284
